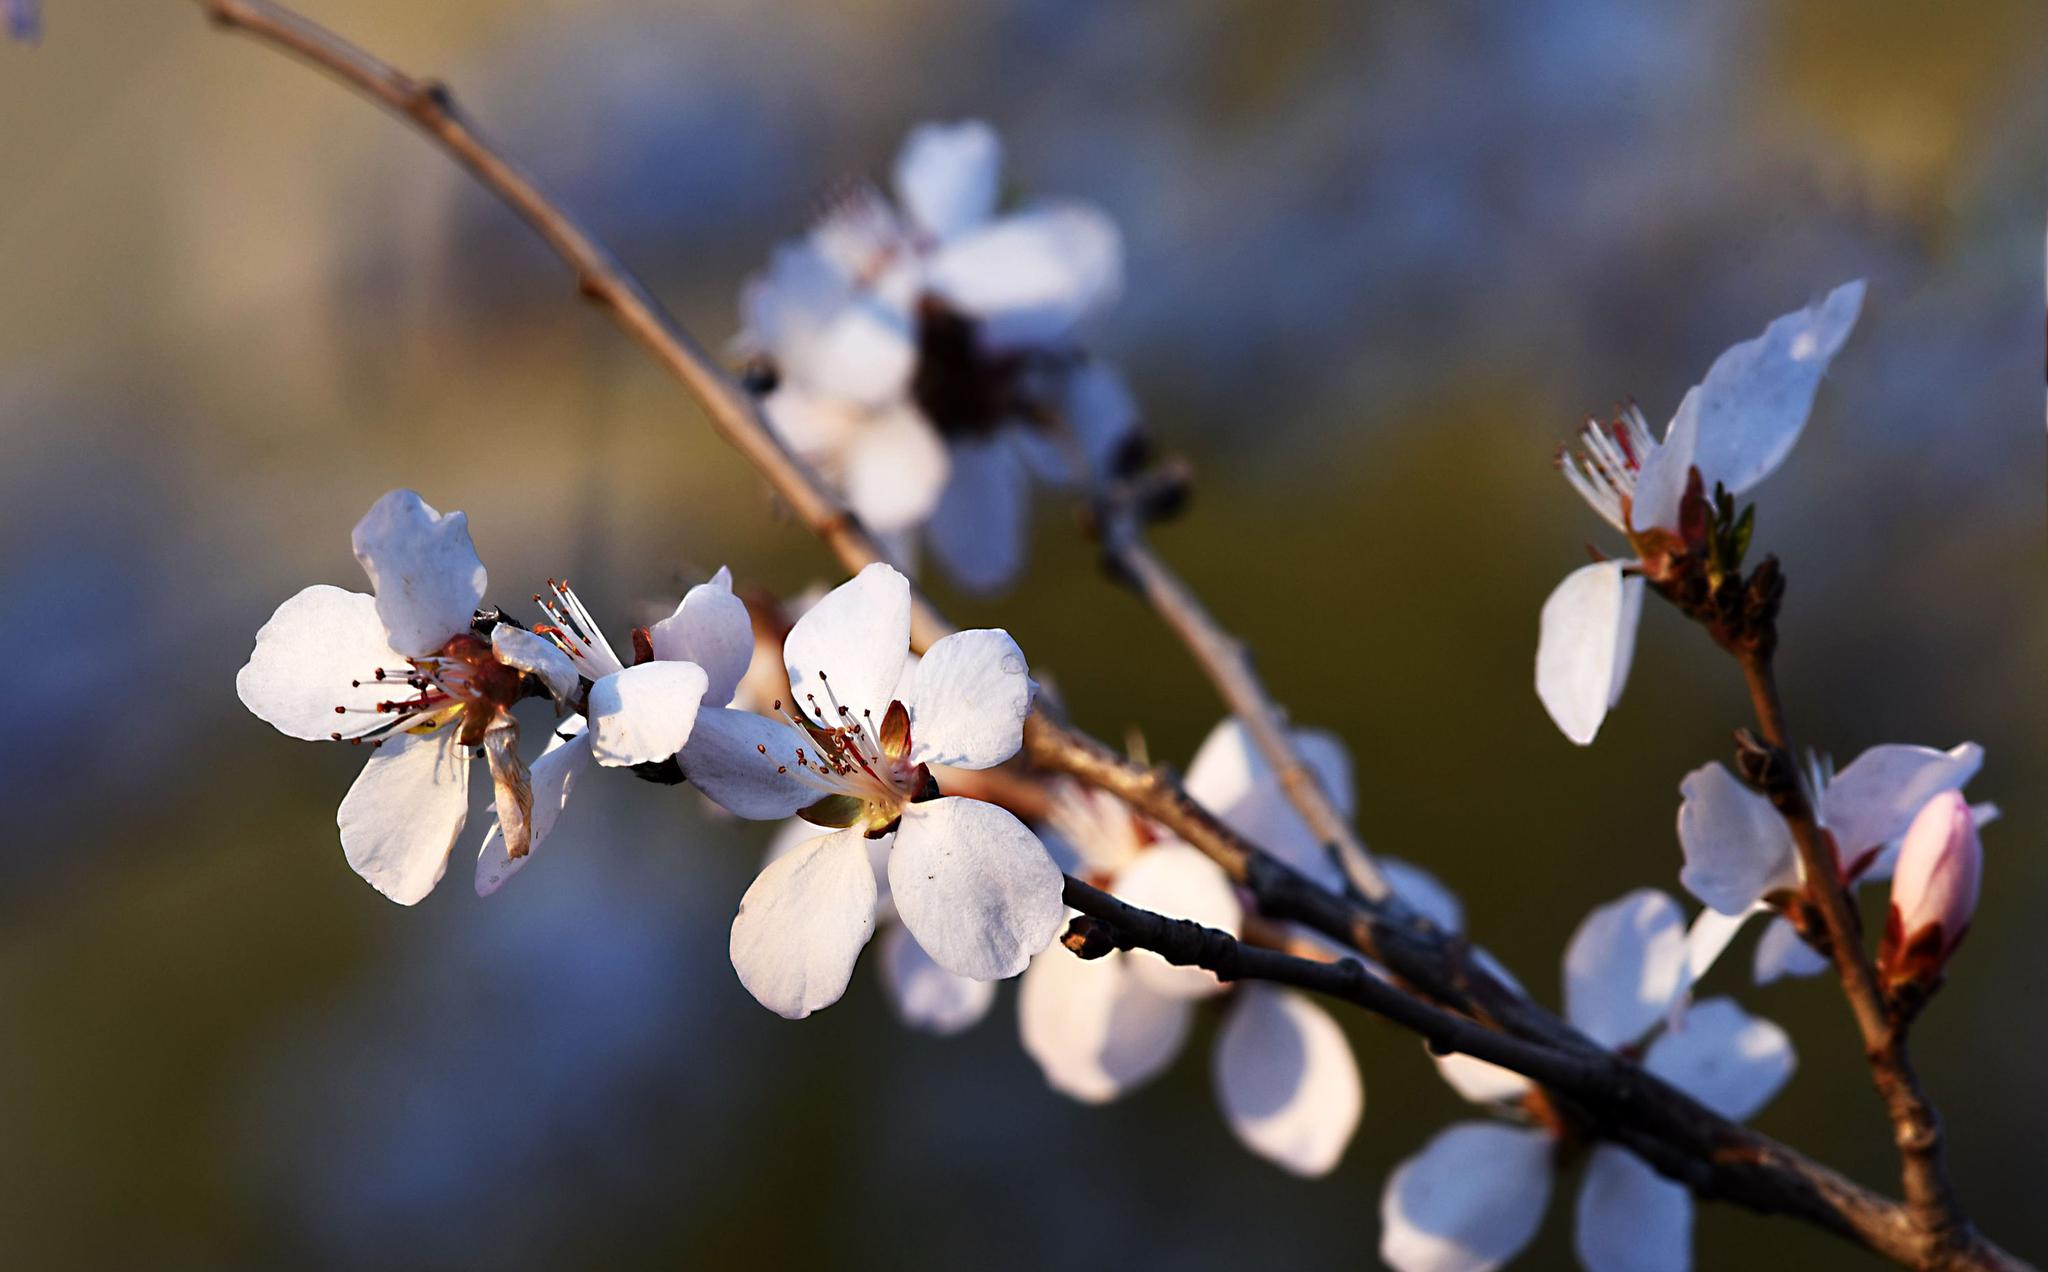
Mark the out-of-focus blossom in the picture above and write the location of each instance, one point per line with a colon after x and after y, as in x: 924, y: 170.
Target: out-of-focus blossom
x: 642, y: 714
x: 24, y: 20
x: 1934, y: 893
x: 405, y: 670
x: 1475, y: 1195
x: 854, y: 749
x: 1734, y: 428
x: 1285, y: 1078
x: 925, y: 353
x: 1740, y: 860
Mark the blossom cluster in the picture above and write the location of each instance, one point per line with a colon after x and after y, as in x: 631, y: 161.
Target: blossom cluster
x: 923, y: 350
x: 425, y: 678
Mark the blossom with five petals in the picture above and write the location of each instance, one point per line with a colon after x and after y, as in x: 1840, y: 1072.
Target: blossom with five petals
x: 408, y: 670
x: 925, y: 352
x: 1474, y: 1196
x: 1734, y: 428
x: 854, y: 749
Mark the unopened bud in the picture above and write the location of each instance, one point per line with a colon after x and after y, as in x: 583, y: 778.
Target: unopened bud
x: 1934, y: 894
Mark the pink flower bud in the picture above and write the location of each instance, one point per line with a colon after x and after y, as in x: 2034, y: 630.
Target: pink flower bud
x: 1934, y: 892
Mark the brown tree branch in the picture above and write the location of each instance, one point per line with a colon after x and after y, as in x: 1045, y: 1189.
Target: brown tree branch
x: 1714, y: 1157
x: 1602, y: 1090
x: 1916, y: 1127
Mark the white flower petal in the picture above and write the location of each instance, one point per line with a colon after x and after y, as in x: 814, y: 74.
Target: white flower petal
x: 796, y: 831
x: 847, y: 651
x: 1667, y: 470
x: 978, y: 529
x: 926, y: 996
x: 826, y: 334
x: 517, y: 647
x: 644, y: 714
x: 401, y: 818
x: 554, y: 775
x: 1624, y: 966
x: 1709, y: 935
x: 1755, y: 399
x: 947, y: 176
x: 860, y: 235
x: 1101, y: 412
x: 1287, y: 1081
x: 423, y: 569
x: 821, y: 428
x: 802, y: 924
x: 1471, y: 1200
x: 306, y: 658
x: 1780, y: 952
x: 1230, y: 777
x: 1586, y: 641
x: 1228, y: 769
x: 968, y: 700
x: 1094, y: 1030
x: 1030, y: 278
x: 733, y: 757
x: 712, y: 629
x: 1630, y: 1218
x: 1424, y: 893
x: 1873, y: 800
x: 1047, y: 456
x: 975, y: 887
x: 1481, y: 1081
x: 1175, y: 880
x: 1725, y: 1058
x: 1737, y: 848
x: 897, y: 467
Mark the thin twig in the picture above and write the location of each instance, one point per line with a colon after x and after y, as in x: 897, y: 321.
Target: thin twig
x: 1228, y: 665
x: 1916, y: 1127
x: 1714, y: 1157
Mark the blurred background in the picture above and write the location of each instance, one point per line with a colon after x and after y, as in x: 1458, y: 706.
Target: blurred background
x: 1381, y: 260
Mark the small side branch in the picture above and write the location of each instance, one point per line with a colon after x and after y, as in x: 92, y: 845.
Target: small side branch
x: 1916, y: 1127
x: 1228, y: 665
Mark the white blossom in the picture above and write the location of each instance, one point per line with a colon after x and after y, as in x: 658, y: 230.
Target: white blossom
x: 926, y: 352
x: 403, y: 670
x: 1474, y: 1196
x: 854, y: 748
x: 1740, y: 858
x: 1735, y: 427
